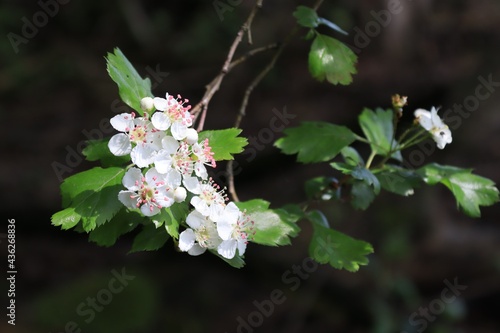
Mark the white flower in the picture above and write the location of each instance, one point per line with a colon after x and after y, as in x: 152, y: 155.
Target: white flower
x: 135, y: 131
x: 174, y: 156
x: 234, y: 228
x: 150, y: 192
x: 210, y: 199
x: 174, y: 115
x: 203, y: 156
x: 201, y: 235
x: 432, y: 123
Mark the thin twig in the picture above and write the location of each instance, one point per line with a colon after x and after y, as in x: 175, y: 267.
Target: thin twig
x: 246, y: 96
x: 213, y: 86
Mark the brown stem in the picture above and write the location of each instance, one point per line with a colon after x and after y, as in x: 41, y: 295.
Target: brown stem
x: 248, y: 92
x: 213, y: 86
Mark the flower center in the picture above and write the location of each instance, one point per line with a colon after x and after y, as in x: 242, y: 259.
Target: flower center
x: 138, y: 134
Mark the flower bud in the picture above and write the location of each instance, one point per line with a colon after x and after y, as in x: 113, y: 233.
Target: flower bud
x: 180, y: 194
x: 191, y: 136
x: 147, y: 104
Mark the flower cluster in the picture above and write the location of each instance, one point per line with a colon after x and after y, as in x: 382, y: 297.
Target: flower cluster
x: 169, y: 166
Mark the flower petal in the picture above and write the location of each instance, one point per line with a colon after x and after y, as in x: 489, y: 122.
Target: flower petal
x: 160, y: 103
x: 195, y: 219
x: 169, y: 144
x: 186, y: 240
x: 227, y: 249
x: 125, y: 199
x: 163, y: 161
x: 160, y: 121
x: 119, y: 144
x: 122, y: 122
x: 142, y: 155
x: 192, y: 184
x: 196, y: 250
x: 424, y: 118
x: 132, y: 179
x: 149, y: 210
x: 179, y: 130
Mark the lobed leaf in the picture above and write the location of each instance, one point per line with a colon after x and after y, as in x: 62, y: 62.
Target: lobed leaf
x: 224, y: 143
x: 335, y: 248
x: 315, y: 141
x: 332, y: 60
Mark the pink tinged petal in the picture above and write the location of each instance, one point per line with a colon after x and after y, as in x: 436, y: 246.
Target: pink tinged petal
x: 126, y: 198
x: 170, y: 144
x: 119, y: 145
x: 195, y: 219
x: 160, y: 103
x: 186, y: 240
x: 122, y: 122
x: 142, y: 155
x: 196, y: 250
x: 160, y: 121
x: 132, y: 179
x: 424, y: 118
x: 163, y: 162
x: 179, y: 130
x: 192, y: 184
x: 149, y: 210
x: 227, y: 249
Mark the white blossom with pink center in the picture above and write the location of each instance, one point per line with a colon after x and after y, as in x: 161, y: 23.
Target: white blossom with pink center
x: 174, y: 116
x: 209, y: 200
x: 150, y: 192
x: 203, y: 156
x: 174, y: 156
x: 139, y: 138
x: 235, y: 229
x: 200, y: 236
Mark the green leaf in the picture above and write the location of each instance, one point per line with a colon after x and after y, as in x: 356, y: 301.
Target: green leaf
x: 272, y: 226
x: 330, y: 59
x: 131, y: 86
x: 98, y: 150
x: 123, y: 222
x: 306, y: 17
x: 471, y: 191
x: 379, y: 130
x: 351, y: 156
x: 224, y: 143
x: 362, y: 195
x: 236, y: 261
x: 398, y: 180
x: 335, y: 248
x: 92, y: 197
x: 149, y: 239
x: 315, y: 141
x: 358, y: 172
x: 172, y: 217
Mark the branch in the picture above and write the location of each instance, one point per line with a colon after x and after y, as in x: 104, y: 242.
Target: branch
x: 213, y: 86
x: 248, y: 92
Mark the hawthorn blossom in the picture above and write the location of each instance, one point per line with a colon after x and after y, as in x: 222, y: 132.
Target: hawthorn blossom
x: 201, y: 235
x: 150, y: 192
x: 203, y: 156
x: 174, y: 116
x: 138, y: 138
x: 234, y: 228
x: 431, y: 122
x: 174, y: 156
x: 209, y: 200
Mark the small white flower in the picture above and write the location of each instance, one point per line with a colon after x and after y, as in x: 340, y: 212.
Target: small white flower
x: 431, y: 122
x: 138, y: 138
x: 174, y: 116
x: 201, y: 235
x: 150, y: 192
x: 210, y: 199
x: 235, y: 229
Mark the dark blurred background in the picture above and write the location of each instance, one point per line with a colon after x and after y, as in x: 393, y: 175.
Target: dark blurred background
x: 54, y: 89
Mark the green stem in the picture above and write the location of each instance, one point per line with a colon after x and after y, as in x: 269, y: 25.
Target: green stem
x: 370, y: 159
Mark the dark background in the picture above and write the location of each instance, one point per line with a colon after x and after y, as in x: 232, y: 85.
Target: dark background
x: 56, y: 86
